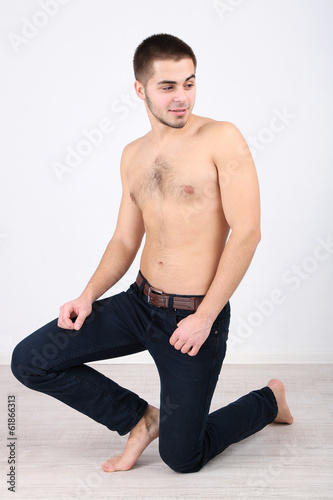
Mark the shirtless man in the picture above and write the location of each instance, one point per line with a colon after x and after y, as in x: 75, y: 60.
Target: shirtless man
x: 186, y: 184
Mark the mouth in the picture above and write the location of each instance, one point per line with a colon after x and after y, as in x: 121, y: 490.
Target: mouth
x: 179, y: 111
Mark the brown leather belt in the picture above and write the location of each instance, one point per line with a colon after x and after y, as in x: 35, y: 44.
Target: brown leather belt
x: 161, y: 299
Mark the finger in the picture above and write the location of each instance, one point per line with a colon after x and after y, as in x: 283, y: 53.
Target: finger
x: 182, y: 346
x: 173, y: 339
x: 193, y: 351
x: 79, y: 321
x: 63, y: 324
x: 178, y: 345
x: 185, y: 349
x: 67, y: 325
x: 64, y: 320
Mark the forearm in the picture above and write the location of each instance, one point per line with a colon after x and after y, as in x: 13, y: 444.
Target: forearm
x: 234, y: 262
x: 115, y: 262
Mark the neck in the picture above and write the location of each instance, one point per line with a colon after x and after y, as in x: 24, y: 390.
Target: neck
x: 163, y: 134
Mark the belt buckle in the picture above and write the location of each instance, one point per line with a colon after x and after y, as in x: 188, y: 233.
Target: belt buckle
x: 150, y: 289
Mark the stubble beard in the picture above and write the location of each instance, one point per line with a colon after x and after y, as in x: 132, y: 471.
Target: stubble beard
x: 160, y: 119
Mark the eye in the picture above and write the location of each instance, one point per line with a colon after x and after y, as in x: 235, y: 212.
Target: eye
x: 167, y: 88
x: 189, y: 85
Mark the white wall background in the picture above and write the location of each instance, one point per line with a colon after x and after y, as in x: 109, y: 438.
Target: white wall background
x: 67, y: 68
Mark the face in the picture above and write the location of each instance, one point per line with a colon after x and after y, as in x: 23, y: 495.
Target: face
x: 170, y: 92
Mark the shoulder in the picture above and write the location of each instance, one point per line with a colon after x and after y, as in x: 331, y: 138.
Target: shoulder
x: 132, y: 147
x: 225, y: 140
x: 131, y: 150
x: 220, y: 129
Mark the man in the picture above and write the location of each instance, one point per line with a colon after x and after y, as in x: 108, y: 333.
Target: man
x: 186, y: 183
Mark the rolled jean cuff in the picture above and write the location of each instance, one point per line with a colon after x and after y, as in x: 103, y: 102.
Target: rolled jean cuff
x: 271, y: 397
x: 135, y: 420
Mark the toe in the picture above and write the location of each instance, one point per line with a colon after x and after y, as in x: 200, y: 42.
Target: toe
x: 107, y: 464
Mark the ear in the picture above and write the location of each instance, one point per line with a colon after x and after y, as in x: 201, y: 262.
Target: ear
x: 140, y: 90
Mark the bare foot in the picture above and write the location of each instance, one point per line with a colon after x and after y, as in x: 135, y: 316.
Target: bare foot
x: 284, y: 416
x: 145, y: 431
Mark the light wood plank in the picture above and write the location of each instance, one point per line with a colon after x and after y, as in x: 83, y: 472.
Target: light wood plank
x: 60, y: 450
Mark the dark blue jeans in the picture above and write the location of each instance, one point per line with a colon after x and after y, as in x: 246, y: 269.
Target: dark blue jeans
x: 51, y: 360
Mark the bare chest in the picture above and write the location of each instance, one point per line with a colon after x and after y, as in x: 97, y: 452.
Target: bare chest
x: 174, y: 177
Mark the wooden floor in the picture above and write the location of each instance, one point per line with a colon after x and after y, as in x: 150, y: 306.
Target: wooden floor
x: 59, y: 451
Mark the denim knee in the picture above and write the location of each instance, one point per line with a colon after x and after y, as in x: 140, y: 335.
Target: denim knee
x: 21, y: 365
x: 178, y: 461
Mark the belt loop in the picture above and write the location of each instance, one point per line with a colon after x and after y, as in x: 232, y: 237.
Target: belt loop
x: 141, y: 287
x: 170, y: 305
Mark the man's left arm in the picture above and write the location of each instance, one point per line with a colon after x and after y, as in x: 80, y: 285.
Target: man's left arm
x: 239, y: 191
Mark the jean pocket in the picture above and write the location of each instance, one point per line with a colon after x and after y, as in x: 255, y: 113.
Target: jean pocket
x: 220, y: 328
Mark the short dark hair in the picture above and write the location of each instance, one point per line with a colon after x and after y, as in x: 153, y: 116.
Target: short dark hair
x: 155, y: 47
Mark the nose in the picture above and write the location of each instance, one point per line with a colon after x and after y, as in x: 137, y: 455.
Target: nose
x: 180, y: 95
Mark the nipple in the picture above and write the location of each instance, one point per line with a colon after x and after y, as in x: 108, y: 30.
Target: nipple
x: 188, y: 189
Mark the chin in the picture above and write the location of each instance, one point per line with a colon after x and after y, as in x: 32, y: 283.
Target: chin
x: 179, y: 124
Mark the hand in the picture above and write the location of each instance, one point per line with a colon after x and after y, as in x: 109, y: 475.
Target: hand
x: 79, y: 307
x: 190, y: 334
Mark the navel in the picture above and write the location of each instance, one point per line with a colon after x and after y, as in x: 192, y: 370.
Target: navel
x: 188, y: 189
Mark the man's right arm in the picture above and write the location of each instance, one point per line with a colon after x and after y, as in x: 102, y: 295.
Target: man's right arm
x: 116, y: 260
